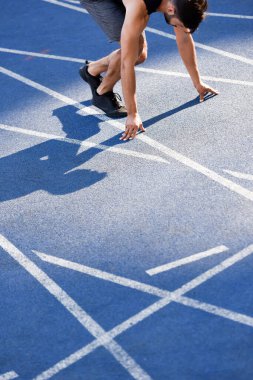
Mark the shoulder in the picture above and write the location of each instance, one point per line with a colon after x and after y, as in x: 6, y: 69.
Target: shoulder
x: 136, y: 6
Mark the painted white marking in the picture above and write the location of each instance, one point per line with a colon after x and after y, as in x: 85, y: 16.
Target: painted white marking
x: 8, y: 376
x: 119, y: 280
x: 170, y: 36
x: 155, y: 144
x: 82, y: 317
x: 215, y: 270
x: 86, y: 144
x: 45, y: 158
x: 73, y: 7
x: 140, y: 69
x: 184, y: 75
x: 41, y: 55
x: 187, y: 260
x: 72, y: 1
x: 229, y: 15
x: 204, y: 47
x: 248, y: 177
x: 167, y: 298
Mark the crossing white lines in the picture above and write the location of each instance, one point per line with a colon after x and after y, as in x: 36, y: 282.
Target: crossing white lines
x: 210, y: 174
x: 168, y: 35
x: 187, y: 260
x: 73, y: 308
x: 140, y: 69
x: 166, y: 298
x: 86, y: 144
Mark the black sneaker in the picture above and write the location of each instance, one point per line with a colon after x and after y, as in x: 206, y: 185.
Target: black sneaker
x: 93, y: 81
x: 110, y: 103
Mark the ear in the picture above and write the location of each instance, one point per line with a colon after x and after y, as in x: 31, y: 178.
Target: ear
x: 171, y: 10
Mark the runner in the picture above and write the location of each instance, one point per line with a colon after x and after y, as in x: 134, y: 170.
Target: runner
x: 124, y: 21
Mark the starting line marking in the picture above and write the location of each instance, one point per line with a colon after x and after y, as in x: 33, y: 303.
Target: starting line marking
x: 167, y: 35
x: 187, y: 260
x: 73, y: 308
x: 140, y: 69
x: 8, y: 376
x: 248, y: 177
x: 167, y: 298
x: 210, y: 174
x: 86, y: 144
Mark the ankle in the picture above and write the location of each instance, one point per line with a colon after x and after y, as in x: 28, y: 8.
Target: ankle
x: 101, y: 90
x: 92, y: 71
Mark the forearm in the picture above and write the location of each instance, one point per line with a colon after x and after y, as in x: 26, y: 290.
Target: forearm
x: 128, y: 82
x: 188, y: 54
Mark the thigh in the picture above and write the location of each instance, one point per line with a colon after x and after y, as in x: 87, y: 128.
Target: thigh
x: 108, y: 14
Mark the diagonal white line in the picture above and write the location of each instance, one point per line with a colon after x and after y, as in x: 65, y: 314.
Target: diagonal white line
x: 73, y: 7
x: 82, y: 317
x: 86, y: 144
x: 167, y: 298
x: 187, y: 260
x: 149, y: 141
x: 140, y: 69
x: 205, y: 47
x: 248, y: 177
x: 168, y: 35
x: 229, y: 15
x: 8, y: 376
x: 103, y: 275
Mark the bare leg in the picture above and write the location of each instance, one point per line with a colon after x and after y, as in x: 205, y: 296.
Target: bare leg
x: 111, y: 65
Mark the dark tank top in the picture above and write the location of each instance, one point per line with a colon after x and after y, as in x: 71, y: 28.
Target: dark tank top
x: 152, y: 5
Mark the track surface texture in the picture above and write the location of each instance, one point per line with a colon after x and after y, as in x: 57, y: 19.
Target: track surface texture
x: 125, y: 260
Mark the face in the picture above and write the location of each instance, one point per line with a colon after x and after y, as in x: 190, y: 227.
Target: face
x: 172, y: 20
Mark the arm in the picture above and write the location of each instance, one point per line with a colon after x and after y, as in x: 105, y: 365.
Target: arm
x: 187, y: 52
x: 134, y: 24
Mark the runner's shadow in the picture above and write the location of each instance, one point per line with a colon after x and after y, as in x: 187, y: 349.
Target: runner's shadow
x: 191, y: 103
x: 52, y: 165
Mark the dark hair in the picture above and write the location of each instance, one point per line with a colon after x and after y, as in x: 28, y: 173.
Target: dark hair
x: 190, y: 12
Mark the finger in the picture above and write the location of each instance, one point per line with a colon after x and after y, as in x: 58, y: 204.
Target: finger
x: 213, y: 91
x: 125, y: 133
x: 134, y: 133
x: 201, y: 97
x: 142, y: 129
x: 129, y: 133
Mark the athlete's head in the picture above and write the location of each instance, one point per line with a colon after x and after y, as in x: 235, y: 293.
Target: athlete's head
x: 189, y: 12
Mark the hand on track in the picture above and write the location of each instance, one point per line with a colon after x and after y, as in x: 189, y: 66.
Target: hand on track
x: 133, y: 124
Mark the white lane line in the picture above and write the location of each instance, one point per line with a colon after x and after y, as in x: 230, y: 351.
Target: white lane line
x: 146, y: 288
x: 212, y: 175
x: 119, y: 280
x: 80, y: 314
x: 187, y: 260
x: 229, y: 15
x: 72, y: 1
x: 140, y: 69
x: 40, y: 55
x: 215, y: 270
x: 167, y: 298
x: 184, y: 75
x: 8, y: 376
x: 168, y: 35
x: 86, y: 144
x: 73, y: 7
x: 204, y: 47
x: 248, y: 177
